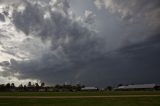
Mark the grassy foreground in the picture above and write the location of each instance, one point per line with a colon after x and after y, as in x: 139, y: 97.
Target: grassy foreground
x: 120, y: 101
x: 99, y: 93
x: 153, y: 101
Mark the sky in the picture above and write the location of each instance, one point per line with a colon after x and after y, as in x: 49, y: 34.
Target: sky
x: 91, y: 42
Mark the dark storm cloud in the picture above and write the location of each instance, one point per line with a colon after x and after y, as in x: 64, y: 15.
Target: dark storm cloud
x: 64, y: 32
x: 131, y: 21
x: 89, y: 17
x: 76, y: 53
x: 4, y: 63
x: 73, y: 43
x: 138, y: 63
x: 2, y: 17
x: 9, y: 1
x: 134, y: 10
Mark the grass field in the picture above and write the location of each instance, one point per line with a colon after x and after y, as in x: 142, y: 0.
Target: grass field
x: 116, y: 100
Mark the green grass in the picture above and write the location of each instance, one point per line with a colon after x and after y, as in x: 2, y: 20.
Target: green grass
x: 79, y: 93
x: 145, y: 101
x: 120, y: 101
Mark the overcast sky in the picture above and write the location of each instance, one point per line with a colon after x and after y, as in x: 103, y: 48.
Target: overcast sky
x: 92, y: 42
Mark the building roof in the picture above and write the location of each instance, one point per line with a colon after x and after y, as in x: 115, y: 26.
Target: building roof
x: 139, y: 86
x: 89, y: 88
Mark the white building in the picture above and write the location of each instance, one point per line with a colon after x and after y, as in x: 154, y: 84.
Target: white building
x: 89, y: 89
x: 137, y: 87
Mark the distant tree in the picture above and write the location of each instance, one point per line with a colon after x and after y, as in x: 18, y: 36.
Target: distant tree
x: 20, y: 86
x: 78, y: 87
x: 120, y: 85
x: 58, y: 87
x: 2, y: 87
x: 29, y: 84
x: 109, y: 88
x: 42, y: 84
x: 12, y: 85
x: 25, y: 88
x: 8, y: 86
x: 36, y: 87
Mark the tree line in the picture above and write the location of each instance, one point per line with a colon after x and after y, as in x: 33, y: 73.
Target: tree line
x: 36, y: 87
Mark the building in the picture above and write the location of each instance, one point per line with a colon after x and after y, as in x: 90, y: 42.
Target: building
x: 89, y: 89
x: 42, y: 90
x: 139, y: 87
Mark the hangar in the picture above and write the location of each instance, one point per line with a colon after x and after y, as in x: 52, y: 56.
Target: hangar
x: 139, y: 87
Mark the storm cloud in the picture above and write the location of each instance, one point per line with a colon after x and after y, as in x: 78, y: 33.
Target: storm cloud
x: 134, y: 10
x: 71, y: 42
x: 48, y: 42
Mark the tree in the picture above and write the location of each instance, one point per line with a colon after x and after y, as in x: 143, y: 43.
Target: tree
x: 8, y: 86
x: 2, y: 87
x: 29, y: 84
x: 78, y: 87
x: 120, y: 85
x: 25, y: 88
x: 12, y: 85
x: 42, y: 84
x: 36, y: 87
x: 20, y: 86
x: 109, y: 88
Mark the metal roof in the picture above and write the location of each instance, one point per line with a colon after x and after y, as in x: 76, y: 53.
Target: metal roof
x: 139, y: 86
x: 89, y: 88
